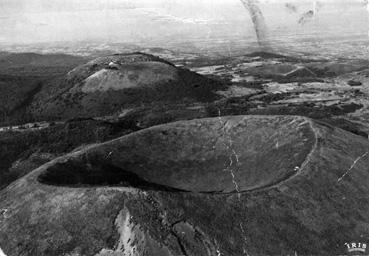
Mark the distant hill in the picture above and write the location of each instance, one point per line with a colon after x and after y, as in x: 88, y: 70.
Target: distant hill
x: 107, y: 85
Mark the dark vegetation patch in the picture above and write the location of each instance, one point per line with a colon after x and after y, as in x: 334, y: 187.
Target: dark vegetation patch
x: 354, y: 83
x: 16, y: 93
x: 271, y: 55
x: 323, y: 72
x: 285, y: 80
x: 231, y: 106
x: 258, y: 85
x: 333, y: 69
x: 283, y: 73
x: 162, y: 113
x: 23, y: 76
x: 308, y: 110
x: 196, y: 86
x: 205, y: 61
x: 268, y: 98
x: 266, y: 55
x: 345, y: 125
x: 247, y: 106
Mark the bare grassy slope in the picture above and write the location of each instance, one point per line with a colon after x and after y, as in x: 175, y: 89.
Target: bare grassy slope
x: 140, y: 206
x: 130, y: 76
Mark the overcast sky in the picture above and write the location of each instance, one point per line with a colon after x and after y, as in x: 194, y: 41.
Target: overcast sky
x: 31, y: 21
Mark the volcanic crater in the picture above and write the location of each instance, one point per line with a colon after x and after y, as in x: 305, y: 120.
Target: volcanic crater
x: 220, y: 155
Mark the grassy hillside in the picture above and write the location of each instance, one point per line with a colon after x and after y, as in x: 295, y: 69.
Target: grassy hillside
x: 318, y: 194
x: 23, y: 151
x: 23, y: 76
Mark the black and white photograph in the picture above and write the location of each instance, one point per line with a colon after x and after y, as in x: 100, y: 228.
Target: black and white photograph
x: 184, y: 128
